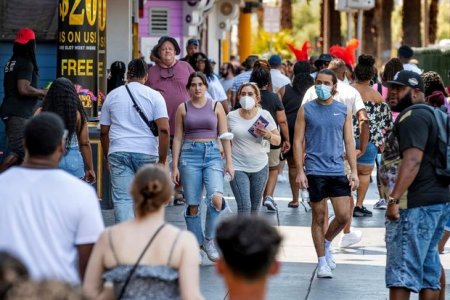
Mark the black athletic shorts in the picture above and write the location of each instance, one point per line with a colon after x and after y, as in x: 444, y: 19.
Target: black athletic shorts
x: 321, y: 187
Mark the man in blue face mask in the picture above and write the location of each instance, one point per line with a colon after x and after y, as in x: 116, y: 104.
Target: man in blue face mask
x: 348, y: 95
x: 322, y: 128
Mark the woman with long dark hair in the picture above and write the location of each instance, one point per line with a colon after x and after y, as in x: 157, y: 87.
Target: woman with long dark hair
x: 117, y: 75
x: 63, y: 100
x: 270, y: 102
x: 292, y: 100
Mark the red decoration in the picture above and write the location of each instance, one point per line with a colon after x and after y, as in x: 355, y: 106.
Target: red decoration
x: 300, y: 54
x: 347, y: 54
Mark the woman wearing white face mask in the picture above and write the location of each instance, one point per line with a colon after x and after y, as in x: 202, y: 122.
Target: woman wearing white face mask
x: 254, y: 130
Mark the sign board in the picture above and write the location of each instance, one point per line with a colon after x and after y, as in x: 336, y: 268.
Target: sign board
x: 271, y: 19
x: 82, y: 49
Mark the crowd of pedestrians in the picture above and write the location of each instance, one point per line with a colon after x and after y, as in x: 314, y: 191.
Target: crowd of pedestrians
x: 177, y: 133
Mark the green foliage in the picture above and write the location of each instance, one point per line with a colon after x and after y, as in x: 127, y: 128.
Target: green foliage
x: 306, y: 23
x: 444, y: 20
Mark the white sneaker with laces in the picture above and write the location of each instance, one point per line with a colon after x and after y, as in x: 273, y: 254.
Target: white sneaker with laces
x: 381, y: 204
x: 351, y: 238
x: 210, y: 249
x: 324, y: 272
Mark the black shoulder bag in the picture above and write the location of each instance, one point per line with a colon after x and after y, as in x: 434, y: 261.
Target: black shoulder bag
x: 127, y: 281
x: 151, y: 124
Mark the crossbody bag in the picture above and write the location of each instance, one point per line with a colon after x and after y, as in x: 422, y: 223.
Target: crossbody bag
x: 151, y: 124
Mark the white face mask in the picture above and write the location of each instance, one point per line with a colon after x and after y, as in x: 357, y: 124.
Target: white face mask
x: 247, y: 102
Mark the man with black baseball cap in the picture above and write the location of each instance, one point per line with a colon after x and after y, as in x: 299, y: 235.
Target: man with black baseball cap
x: 322, y: 63
x: 418, y: 203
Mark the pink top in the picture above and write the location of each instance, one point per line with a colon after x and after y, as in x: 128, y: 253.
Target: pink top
x: 200, y: 123
x: 384, y: 90
x: 171, y: 83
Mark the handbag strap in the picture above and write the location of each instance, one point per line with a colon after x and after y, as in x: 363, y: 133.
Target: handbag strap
x: 127, y: 281
x: 138, y: 109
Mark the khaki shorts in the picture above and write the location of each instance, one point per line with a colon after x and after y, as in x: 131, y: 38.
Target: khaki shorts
x: 274, y: 157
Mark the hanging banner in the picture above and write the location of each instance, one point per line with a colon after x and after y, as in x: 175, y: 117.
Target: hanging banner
x: 78, y: 47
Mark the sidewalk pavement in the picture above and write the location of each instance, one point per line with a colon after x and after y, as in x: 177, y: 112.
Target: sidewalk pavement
x: 360, y: 269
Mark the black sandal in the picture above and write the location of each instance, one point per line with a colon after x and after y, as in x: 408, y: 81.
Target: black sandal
x: 293, y: 204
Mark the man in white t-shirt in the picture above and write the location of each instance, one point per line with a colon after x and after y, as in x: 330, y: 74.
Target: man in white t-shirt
x: 405, y: 53
x: 279, y: 80
x: 49, y: 219
x: 127, y: 140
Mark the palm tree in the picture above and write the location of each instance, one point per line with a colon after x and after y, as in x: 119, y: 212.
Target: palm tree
x: 335, y: 37
x: 286, y: 14
x: 433, y: 24
x: 384, y: 41
x: 411, y: 22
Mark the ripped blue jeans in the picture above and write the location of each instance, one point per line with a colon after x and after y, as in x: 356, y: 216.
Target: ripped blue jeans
x: 201, y: 165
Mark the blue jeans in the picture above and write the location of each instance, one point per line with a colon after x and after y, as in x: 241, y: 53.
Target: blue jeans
x: 248, y: 189
x: 72, y: 162
x: 123, y: 166
x: 201, y: 165
x: 411, y: 243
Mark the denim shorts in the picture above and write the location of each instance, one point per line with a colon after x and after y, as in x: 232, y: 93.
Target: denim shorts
x: 369, y: 156
x: 411, y: 243
x: 72, y: 162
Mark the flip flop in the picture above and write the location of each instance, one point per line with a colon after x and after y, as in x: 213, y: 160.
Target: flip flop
x: 293, y: 204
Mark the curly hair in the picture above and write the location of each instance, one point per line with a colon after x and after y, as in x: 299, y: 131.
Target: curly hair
x: 392, y: 67
x: 364, y: 70
x: 151, y: 188
x: 433, y: 82
x: 62, y: 99
x: 199, y: 56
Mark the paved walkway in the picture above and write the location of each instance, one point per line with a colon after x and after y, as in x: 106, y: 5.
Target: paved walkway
x: 360, y: 269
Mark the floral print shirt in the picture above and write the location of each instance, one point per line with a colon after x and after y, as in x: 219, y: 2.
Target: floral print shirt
x: 380, y: 122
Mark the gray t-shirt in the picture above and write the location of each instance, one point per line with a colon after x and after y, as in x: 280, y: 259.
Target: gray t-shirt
x: 324, y: 135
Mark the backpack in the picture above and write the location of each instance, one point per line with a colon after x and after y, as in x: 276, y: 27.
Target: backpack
x: 442, y: 154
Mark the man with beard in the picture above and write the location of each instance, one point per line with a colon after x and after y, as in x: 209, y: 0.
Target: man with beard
x: 418, y: 205
x: 227, y: 72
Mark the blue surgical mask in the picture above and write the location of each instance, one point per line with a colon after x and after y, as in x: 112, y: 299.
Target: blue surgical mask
x: 323, y: 91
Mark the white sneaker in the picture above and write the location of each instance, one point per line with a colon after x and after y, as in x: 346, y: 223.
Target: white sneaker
x: 210, y: 249
x: 324, y: 272
x: 381, y: 204
x: 330, y: 261
x: 351, y: 238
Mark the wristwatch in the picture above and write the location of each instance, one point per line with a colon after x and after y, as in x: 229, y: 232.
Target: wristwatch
x: 392, y: 200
